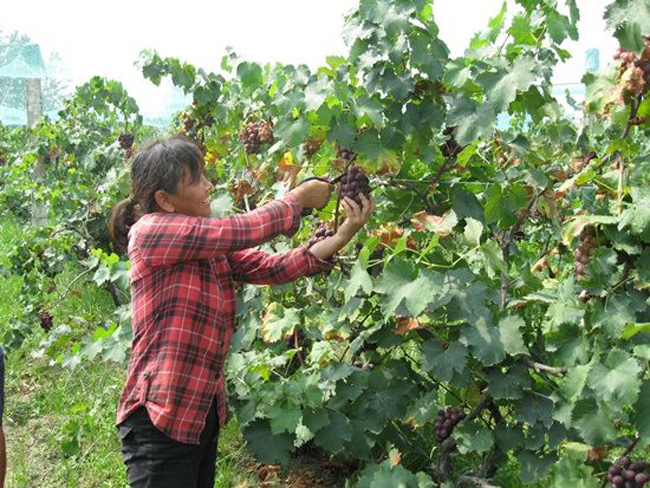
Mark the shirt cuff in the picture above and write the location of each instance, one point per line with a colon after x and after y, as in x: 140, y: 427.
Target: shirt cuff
x: 317, y: 265
x: 296, y: 208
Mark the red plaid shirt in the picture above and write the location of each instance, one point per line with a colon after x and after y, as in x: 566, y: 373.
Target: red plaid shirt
x: 183, y: 271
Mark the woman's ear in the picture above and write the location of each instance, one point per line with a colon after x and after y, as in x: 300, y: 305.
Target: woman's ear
x: 163, y: 201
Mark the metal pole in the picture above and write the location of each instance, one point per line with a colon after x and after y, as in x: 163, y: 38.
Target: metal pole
x: 34, y: 102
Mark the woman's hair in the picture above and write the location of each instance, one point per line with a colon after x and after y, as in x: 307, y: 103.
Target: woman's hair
x: 161, y: 165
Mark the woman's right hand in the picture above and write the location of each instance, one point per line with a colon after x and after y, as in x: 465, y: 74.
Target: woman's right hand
x: 313, y: 193
x: 357, y: 216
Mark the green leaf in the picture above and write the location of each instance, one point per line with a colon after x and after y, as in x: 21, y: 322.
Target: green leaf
x: 594, y: 424
x: 284, y: 418
x: 630, y: 20
x: 616, y: 381
x: 473, y: 231
x: 573, y: 473
x: 423, y: 411
x: 637, y: 215
x: 397, y: 283
x: 279, y: 323
x: 485, y: 340
x: 492, y: 258
x: 292, y: 132
x: 560, y: 27
x: 509, y: 385
x: 501, y: 87
x: 511, y: 336
x: 359, y: 279
x: 332, y: 437
x: 534, y: 408
x: 268, y: 448
x: 316, y: 93
x: 641, y: 409
x: 444, y: 363
x: 535, y: 466
x: 615, y: 315
x: 575, y: 381
x: 473, y: 437
x: 496, y: 25
x: 315, y: 419
x: 250, y: 74
x: 566, y: 308
x: 472, y: 120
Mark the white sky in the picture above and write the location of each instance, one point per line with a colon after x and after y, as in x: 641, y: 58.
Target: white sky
x: 106, y: 38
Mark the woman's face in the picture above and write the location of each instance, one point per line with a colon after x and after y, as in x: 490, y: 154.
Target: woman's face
x: 193, y: 199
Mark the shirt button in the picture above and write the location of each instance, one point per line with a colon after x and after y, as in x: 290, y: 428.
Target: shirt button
x: 145, y: 375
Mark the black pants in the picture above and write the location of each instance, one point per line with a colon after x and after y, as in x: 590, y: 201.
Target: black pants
x: 154, y: 460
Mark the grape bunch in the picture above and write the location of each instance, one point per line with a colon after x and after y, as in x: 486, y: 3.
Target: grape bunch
x: 585, y: 250
x: 353, y: 183
x: 450, y: 148
x: 639, y: 78
x: 255, y: 134
x: 126, y: 140
x: 46, y: 320
x: 347, y: 155
x: 3, y: 160
x: 323, y: 232
x: 444, y: 426
x: 627, y: 473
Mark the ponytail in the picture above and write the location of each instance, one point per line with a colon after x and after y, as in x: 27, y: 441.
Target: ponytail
x: 122, y: 218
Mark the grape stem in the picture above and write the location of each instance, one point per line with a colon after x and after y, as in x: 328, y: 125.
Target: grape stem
x: 543, y: 368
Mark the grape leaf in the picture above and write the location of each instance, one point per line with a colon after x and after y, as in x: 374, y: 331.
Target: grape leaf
x: 284, y: 418
x: 566, y: 309
x: 575, y: 381
x: 317, y: 92
x: 534, y: 409
x: 509, y: 385
x: 444, y: 363
x: 332, y: 437
x: 630, y: 21
x: 572, y: 473
x: 508, y: 437
x: 511, y: 336
x: 641, y: 409
x: 291, y: 131
x: 397, y: 283
x: 473, y: 437
x: 315, y: 419
x: 279, y: 322
x: 268, y: 448
x: 423, y: 411
x: 637, y: 215
x: 618, y: 312
x: 594, y: 424
x: 473, y: 231
x: 359, y: 279
x: 534, y: 466
x: 485, y: 340
x: 501, y: 87
x: 617, y: 380
x: 472, y: 120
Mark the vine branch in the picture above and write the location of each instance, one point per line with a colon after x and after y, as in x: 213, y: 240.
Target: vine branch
x: 543, y: 368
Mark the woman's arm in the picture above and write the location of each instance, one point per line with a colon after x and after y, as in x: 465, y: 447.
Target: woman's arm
x: 261, y: 268
x: 167, y: 238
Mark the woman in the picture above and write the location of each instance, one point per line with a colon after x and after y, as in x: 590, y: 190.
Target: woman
x: 184, y: 266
